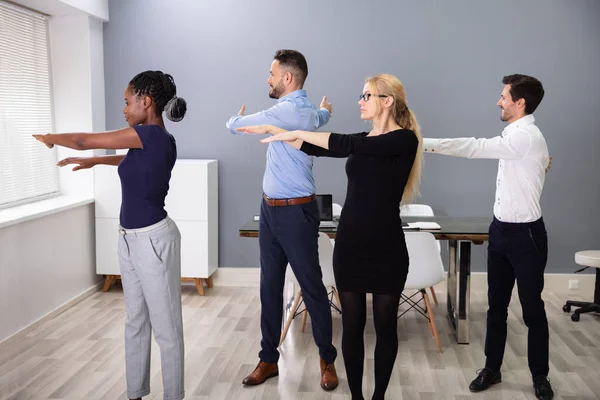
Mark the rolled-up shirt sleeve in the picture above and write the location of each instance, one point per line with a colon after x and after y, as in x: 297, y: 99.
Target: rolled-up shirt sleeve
x: 280, y: 115
x: 323, y: 119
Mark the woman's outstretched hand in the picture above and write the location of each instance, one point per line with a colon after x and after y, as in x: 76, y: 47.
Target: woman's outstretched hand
x: 82, y: 162
x: 42, y: 138
x: 261, y: 129
x: 287, y: 136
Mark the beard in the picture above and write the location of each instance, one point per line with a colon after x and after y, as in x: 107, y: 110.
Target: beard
x: 504, y: 116
x: 276, y: 91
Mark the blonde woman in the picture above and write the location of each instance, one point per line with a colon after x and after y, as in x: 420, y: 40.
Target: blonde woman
x: 370, y: 256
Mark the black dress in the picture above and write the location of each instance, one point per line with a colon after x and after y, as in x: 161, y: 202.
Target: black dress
x: 370, y: 253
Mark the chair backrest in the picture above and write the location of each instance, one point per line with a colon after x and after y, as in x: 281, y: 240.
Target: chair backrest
x: 426, y: 268
x: 326, y: 259
x: 416, y: 210
x: 337, y: 210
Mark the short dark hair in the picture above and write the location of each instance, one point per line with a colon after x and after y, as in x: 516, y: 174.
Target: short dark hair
x: 525, y: 87
x: 295, y: 62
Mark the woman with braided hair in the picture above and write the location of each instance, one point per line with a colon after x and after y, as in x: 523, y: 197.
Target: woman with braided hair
x: 149, y: 245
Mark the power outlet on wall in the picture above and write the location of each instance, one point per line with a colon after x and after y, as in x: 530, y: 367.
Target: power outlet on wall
x: 573, y: 284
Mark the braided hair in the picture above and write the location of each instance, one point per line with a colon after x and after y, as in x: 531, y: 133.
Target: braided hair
x: 161, y: 88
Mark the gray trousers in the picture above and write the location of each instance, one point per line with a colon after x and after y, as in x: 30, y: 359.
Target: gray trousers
x: 150, y: 260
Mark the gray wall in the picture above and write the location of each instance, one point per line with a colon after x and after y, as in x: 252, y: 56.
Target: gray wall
x: 451, y: 57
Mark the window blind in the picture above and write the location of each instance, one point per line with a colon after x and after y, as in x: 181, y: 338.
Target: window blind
x: 28, y: 169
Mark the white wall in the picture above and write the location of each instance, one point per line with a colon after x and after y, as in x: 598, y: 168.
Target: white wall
x: 72, y: 87
x: 47, y: 261
x: 78, y: 78
x: 94, y: 8
x: 97, y: 74
x: 44, y: 263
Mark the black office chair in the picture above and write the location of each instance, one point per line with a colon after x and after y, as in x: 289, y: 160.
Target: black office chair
x: 588, y: 258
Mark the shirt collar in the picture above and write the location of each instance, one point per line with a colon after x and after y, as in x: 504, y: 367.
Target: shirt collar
x: 521, y: 122
x: 292, y: 95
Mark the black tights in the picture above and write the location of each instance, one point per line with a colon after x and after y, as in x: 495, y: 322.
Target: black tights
x: 385, y: 319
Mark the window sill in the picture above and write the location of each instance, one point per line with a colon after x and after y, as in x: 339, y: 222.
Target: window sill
x: 27, y: 212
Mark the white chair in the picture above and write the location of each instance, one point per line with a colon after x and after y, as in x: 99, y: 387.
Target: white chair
x: 420, y: 210
x: 326, y: 262
x: 417, y: 210
x: 425, y: 270
x: 587, y: 258
x: 337, y: 210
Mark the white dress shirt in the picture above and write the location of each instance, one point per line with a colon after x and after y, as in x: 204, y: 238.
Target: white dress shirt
x: 523, y: 156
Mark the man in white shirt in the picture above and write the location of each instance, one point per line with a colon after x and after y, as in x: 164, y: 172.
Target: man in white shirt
x: 518, y: 244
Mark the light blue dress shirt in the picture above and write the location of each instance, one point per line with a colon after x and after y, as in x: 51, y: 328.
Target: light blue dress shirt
x: 288, y: 173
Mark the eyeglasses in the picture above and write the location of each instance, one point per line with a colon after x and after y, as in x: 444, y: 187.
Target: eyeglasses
x: 367, y: 96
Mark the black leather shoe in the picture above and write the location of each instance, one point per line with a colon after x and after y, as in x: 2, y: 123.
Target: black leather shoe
x: 543, y: 389
x: 485, y: 379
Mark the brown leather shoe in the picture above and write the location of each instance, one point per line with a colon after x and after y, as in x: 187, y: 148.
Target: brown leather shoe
x: 261, y: 373
x: 329, y: 379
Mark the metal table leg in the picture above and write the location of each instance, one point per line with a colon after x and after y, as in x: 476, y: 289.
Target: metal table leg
x: 459, y: 288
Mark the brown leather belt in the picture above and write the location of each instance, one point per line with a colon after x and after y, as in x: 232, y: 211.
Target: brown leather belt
x: 288, y: 202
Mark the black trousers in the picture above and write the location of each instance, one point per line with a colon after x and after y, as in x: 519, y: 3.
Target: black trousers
x: 517, y: 251
x: 291, y: 234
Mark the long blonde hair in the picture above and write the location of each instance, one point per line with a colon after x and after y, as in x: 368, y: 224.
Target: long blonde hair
x: 389, y: 85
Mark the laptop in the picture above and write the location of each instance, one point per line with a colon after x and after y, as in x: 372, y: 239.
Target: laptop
x: 325, y: 204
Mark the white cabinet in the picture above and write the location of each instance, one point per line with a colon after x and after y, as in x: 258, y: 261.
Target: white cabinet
x: 192, y: 202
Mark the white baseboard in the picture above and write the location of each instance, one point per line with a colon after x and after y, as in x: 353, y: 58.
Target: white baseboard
x: 558, y: 283
x: 60, y: 309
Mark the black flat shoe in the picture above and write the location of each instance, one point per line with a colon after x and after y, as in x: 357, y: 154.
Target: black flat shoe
x: 543, y: 388
x: 485, y: 379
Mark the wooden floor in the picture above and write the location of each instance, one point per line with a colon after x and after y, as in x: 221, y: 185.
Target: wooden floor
x: 80, y: 355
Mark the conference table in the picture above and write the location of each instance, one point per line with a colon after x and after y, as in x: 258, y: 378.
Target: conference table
x: 460, y: 232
